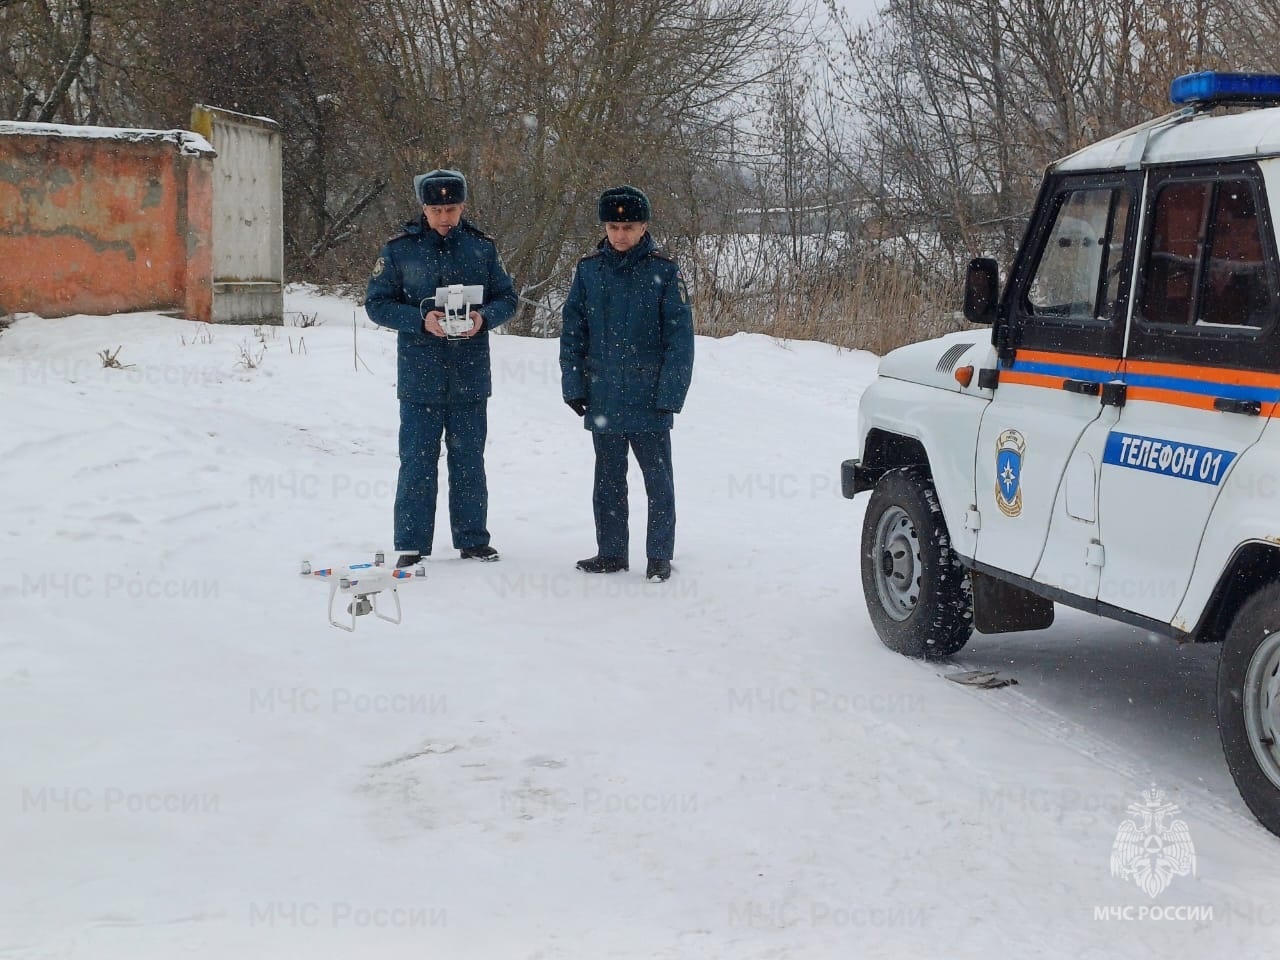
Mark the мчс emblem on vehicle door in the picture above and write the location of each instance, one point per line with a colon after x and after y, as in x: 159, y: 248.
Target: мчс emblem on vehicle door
x: 1010, y: 446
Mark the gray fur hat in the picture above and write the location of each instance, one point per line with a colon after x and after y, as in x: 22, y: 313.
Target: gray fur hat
x: 440, y: 187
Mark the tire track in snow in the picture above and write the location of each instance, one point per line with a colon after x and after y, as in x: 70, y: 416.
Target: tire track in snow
x: 1108, y: 753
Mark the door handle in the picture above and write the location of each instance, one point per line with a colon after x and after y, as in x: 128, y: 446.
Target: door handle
x: 1089, y: 388
x: 1250, y: 408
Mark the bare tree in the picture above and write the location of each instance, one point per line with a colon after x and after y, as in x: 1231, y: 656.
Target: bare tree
x: 45, y: 44
x: 963, y: 102
x: 602, y: 91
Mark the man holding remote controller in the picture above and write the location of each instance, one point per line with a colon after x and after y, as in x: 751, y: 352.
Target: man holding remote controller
x: 443, y: 378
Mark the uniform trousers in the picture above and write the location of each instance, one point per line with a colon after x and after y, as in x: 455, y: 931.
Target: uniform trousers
x: 653, y: 453
x: 464, y: 427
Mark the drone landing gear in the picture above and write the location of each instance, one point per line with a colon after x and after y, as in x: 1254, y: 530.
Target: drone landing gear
x: 362, y: 604
x: 362, y: 583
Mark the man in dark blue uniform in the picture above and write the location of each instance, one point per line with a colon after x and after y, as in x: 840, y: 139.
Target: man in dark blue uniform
x: 626, y: 360
x: 443, y: 383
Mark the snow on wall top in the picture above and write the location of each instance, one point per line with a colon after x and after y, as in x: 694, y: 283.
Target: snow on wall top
x: 1200, y: 136
x: 242, y: 117
x: 188, y: 143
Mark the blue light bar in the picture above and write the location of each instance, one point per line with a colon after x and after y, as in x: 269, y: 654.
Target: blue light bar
x: 1211, y: 87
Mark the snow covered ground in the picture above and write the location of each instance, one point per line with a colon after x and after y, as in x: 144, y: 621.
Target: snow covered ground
x: 537, y: 763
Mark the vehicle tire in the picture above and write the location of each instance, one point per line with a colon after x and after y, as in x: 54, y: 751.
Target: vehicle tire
x: 1249, y: 703
x: 918, y: 594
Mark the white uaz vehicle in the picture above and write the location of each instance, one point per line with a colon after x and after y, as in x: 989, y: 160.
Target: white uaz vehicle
x: 1109, y: 444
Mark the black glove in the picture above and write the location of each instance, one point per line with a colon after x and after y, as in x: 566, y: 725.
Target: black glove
x: 578, y: 406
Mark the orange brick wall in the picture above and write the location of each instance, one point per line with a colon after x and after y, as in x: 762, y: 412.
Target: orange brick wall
x: 104, y: 225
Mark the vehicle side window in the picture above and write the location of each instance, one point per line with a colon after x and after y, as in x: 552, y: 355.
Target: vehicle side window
x: 1206, y: 263
x: 1237, y: 288
x: 1078, y: 273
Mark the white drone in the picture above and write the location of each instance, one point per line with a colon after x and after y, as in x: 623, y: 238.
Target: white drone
x: 457, y: 301
x: 363, y: 582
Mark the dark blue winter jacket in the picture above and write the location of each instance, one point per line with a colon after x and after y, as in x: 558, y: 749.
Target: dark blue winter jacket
x: 402, y: 291
x: 627, y: 342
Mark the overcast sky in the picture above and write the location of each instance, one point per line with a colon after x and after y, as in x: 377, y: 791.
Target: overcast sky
x: 861, y: 9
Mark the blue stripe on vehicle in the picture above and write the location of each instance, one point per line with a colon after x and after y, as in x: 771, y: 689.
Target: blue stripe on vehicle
x: 1207, y: 388
x: 1204, y: 388
x: 1064, y: 371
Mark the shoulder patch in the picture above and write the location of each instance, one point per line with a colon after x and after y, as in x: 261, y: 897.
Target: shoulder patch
x: 410, y: 228
x: 590, y: 256
x: 662, y: 255
x: 379, y: 266
x: 467, y: 224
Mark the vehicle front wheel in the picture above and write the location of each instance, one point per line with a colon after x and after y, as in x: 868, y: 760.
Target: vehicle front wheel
x: 1249, y: 704
x: 918, y: 593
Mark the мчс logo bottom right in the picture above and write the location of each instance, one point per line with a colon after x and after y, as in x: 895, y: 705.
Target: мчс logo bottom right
x: 1150, y: 849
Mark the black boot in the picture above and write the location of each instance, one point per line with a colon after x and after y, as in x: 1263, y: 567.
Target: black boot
x: 658, y: 571
x: 408, y: 560
x: 484, y: 552
x: 603, y: 565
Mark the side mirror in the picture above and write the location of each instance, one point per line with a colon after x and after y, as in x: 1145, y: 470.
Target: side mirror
x: 981, y: 290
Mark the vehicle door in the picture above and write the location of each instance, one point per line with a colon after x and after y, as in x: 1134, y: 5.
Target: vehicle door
x: 1065, y: 302
x: 1199, y: 378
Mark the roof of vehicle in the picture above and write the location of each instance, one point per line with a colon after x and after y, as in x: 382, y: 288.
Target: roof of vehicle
x: 1183, y: 136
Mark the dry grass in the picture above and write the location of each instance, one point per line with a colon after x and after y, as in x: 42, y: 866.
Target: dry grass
x: 873, y: 304
x: 752, y: 284
x: 869, y: 311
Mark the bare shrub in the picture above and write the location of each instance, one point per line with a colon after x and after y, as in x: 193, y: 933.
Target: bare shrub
x: 111, y: 359
x: 204, y: 336
x: 248, y: 359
